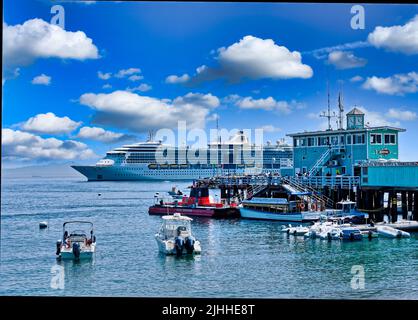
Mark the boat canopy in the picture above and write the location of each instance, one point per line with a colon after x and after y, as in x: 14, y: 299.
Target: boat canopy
x: 257, y: 200
x: 78, y: 222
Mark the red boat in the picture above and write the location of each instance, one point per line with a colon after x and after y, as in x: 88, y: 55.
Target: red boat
x: 198, y: 204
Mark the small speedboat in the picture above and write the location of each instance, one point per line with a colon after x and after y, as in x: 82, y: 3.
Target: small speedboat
x: 75, y: 243
x: 331, y: 233
x: 389, y: 232
x: 175, y: 236
x: 297, y: 231
x: 351, y: 234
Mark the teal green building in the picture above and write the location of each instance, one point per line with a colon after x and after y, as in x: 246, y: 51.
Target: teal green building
x: 342, y: 151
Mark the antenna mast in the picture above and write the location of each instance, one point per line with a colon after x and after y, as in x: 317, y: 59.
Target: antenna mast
x: 328, y: 115
x: 340, y: 110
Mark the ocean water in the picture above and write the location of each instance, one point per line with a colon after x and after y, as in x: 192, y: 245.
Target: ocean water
x: 240, y: 258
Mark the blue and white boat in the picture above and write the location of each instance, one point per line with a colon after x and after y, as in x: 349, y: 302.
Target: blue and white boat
x: 348, y: 212
x: 279, y: 209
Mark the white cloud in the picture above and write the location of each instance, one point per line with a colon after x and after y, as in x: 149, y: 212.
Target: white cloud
x: 269, y: 104
x: 107, y: 86
x: 322, y: 53
x: 104, y: 76
x: 253, y: 58
x: 27, y: 146
x: 127, y: 72
x: 140, y: 113
x: 35, y: 38
x: 143, y: 87
x: 135, y: 77
x: 376, y: 119
x: 42, y: 79
x: 270, y: 128
x: 99, y: 134
x: 175, y: 79
x: 49, y: 123
x: 403, y: 115
x: 356, y: 79
x: 402, y: 39
x: 398, y: 84
x: 345, y: 60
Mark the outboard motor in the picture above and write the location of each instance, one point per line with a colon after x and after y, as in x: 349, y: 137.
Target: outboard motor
x: 76, y: 250
x: 59, y: 243
x: 190, y: 244
x: 179, y: 244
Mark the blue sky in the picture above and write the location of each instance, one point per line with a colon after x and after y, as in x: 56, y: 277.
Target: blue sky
x: 253, y: 82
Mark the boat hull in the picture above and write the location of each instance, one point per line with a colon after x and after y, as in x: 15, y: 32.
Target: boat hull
x: 167, y: 247
x: 195, y: 212
x: 288, y: 217
x: 69, y: 255
x: 85, y: 253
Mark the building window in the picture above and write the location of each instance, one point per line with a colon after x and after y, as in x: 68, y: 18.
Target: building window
x: 349, y: 139
x: 390, y: 138
x: 358, y: 138
x: 311, y: 142
x: 375, y: 138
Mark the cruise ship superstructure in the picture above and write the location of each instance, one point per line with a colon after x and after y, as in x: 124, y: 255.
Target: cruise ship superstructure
x: 141, y: 161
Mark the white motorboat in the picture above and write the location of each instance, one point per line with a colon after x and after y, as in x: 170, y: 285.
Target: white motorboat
x: 317, y: 228
x: 297, y: 231
x: 75, y: 244
x: 175, y: 236
x: 389, y: 232
x: 331, y: 233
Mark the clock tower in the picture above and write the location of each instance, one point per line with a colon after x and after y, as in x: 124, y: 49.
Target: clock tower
x: 355, y: 119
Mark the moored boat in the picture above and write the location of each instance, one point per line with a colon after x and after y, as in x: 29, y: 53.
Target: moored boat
x: 175, y: 236
x: 278, y: 209
x: 389, y: 232
x: 198, y: 204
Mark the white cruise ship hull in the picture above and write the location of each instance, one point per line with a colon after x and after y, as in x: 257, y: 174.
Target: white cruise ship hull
x: 142, y: 172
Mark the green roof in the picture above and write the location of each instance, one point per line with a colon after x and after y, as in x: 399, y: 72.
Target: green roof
x: 356, y: 111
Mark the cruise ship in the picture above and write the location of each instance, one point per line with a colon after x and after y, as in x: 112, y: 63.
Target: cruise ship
x: 142, y: 161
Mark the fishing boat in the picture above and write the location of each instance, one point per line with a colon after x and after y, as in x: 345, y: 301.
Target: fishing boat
x: 199, y: 204
x: 175, y: 236
x: 348, y: 212
x: 75, y: 243
x: 389, y: 232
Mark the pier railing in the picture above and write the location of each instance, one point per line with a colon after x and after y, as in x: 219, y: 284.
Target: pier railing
x: 317, y: 182
x: 343, y: 182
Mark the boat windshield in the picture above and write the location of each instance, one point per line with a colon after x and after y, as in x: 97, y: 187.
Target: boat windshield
x: 175, y: 227
x: 346, y: 207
